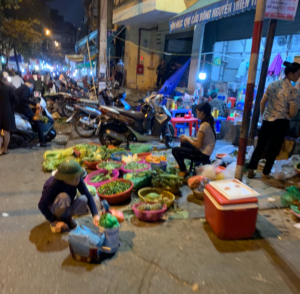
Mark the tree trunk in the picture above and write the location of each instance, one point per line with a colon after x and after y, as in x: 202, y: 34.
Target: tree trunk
x: 17, y: 60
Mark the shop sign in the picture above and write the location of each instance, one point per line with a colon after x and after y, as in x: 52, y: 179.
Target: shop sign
x: 212, y: 12
x: 281, y: 9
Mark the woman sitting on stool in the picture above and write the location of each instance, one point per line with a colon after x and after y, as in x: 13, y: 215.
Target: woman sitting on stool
x: 200, y: 149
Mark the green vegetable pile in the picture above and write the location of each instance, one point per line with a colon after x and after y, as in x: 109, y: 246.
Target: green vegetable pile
x: 109, y: 165
x: 167, y: 181
x: 79, y: 153
x: 108, y: 221
x: 114, y: 187
x: 100, y: 178
x: 135, y: 166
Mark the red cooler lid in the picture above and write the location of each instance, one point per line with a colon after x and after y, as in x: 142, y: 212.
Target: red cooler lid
x: 224, y: 201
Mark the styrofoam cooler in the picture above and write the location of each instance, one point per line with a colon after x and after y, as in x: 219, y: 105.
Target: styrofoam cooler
x: 230, y: 219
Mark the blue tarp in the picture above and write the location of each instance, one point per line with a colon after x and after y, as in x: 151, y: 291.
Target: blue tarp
x: 204, y: 11
x: 172, y: 82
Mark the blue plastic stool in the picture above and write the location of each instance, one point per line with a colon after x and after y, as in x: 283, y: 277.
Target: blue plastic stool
x: 179, y: 127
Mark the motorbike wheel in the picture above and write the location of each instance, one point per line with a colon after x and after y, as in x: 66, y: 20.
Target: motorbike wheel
x: 105, y: 140
x: 82, y: 130
x: 169, y: 136
x: 51, y: 135
x: 66, y: 112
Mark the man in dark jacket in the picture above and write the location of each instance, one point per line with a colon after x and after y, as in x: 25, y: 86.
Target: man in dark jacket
x: 22, y: 106
x: 39, y: 85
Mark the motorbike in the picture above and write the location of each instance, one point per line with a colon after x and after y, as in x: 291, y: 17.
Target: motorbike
x: 25, y: 130
x: 119, y: 101
x: 153, y: 122
x: 85, y: 120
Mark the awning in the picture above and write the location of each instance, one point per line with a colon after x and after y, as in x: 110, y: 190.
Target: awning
x: 92, y: 36
x: 82, y: 42
x: 209, y: 10
x: 85, y: 65
x: 74, y: 58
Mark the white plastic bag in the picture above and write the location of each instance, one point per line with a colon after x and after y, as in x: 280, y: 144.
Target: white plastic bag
x: 284, y: 169
x: 249, y: 153
x: 209, y: 170
x: 229, y: 172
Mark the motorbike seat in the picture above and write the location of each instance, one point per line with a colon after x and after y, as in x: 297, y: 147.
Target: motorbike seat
x: 89, y: 110
x: 23, y: 116
x: 138, y: 115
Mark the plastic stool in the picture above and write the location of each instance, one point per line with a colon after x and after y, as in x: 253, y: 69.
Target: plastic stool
x: 179, y: 127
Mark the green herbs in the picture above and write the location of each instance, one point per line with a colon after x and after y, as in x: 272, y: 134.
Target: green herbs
x: 114, y: 187
x: 109, y: 165
x: 100, y: 178
x: 135, y: 166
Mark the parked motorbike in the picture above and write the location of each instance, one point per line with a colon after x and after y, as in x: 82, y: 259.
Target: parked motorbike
x: 119, y: 101
x: 25, y: 130
x: 153, y: 122
x: 85, y: 120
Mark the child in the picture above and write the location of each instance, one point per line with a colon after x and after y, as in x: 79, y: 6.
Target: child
x: 58, y: 203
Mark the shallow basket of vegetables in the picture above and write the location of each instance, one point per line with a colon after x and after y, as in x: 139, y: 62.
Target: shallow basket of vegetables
x: 101, y: 176
x: 116, y: 191
x: 110, y: 164
x: 135, y: 167
x: 148, y: 195
x: 149, y: 212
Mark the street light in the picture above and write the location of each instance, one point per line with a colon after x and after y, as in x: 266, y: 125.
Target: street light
x: 48, y: 32
x: 56, y: 44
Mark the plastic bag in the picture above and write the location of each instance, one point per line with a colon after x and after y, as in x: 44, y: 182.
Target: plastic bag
x: 228, y: 149
x: 209, y: 171
x: 284, y: 169
x: 228, y: 159
x: 229, y: 172
x: 82, y: 239
x: 108, y: 221
x: 291, y: 194
x: 249, y: 153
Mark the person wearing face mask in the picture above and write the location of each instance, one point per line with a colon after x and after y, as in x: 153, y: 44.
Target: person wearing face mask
x: 23, y: 95
x: 277, y: 107
x: 59, y: 203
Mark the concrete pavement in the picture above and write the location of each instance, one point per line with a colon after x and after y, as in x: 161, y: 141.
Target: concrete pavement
x: 179, y: 256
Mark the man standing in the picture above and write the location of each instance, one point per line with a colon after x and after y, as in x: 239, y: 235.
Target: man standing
x: 23, y: 94
x: 119, y: 71
x: 160, y: 71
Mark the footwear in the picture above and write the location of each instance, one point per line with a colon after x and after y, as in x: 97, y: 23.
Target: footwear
x: 44, y: 145
x: 251, y: 173
x: 266, y: 177
x: 71, y: 223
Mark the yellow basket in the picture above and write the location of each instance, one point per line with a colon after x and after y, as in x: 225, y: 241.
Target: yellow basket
x: 145, y: 191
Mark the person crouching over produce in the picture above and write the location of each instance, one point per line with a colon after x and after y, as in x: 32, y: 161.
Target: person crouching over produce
x: 58, y: 203
x: 201, y: 148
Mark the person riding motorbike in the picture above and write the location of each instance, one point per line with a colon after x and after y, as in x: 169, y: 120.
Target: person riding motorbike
x: 22, y: 106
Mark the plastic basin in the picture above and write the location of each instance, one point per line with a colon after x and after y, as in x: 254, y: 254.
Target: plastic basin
x: 91, y: 165
x: 116, y: 198
x: 127, y: 171
x: 148, y: 216
x: 162, y: 165
x: 118, y: 169
x: 115, y: 174
x: 118, y: 155
x: 139, y: 148
x: 143, y: 155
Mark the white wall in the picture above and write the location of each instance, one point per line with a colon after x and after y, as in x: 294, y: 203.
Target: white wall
x: 237, y: 51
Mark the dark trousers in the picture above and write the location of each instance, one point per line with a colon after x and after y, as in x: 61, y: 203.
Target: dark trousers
x: 188, y: 151
x: 159, y: 77
x: 270, y: 140
x: 119, y: 77
x: 38, y: 128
